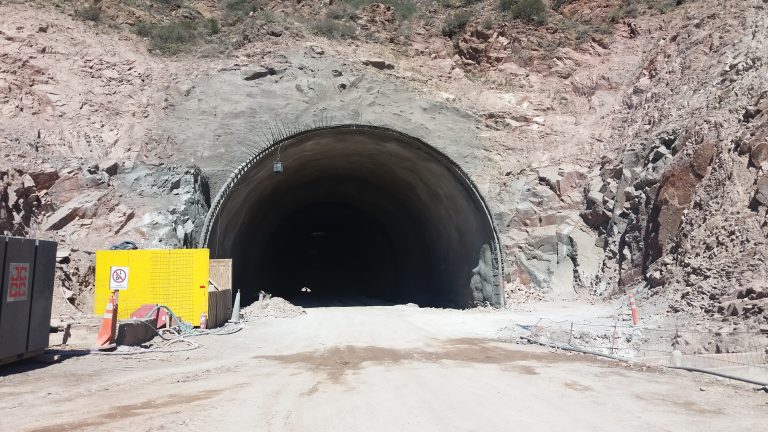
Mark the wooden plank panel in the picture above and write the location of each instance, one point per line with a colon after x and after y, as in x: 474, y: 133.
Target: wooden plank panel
x: 220, y: 296
x: 221, y: 273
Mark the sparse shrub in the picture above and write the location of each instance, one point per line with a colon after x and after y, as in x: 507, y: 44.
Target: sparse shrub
x: 661, y: 6
x: 404, y: 9
x: 456, y: 22
x: 236, y: 11
x: 549, y: 49
x: 582, y: 31
x: 340, y: 11
x: 331, y: 28
x: 631, y: 10
x: 455, y: 4
x: 582, y: 34
x: 448, y: 4
x: 241, y: 7
x: 602, y: 29
x: 143, y: 29
x: 506, y: 5
x: 90, y: 13
x: 170, y: 38
x: 175, y: 33
x: 533, y: 11
x: 488, y: 22
x: 266, y: 16
x: 565, y: 25
x: 628, y: 9
x: 213, y: 26
x: 405, y: 30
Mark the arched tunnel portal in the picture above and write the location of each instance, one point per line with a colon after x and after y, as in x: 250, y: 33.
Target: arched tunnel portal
x: 359, y: 215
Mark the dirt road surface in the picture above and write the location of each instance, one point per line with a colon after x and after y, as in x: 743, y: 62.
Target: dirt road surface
x: 370, y: 368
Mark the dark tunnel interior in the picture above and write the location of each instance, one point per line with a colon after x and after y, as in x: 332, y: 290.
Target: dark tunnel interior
x: 359, y: 216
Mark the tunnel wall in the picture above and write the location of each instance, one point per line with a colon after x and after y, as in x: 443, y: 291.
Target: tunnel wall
x: 434, y: 239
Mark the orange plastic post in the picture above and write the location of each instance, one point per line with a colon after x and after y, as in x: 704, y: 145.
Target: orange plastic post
x: 107, y: 332
x: 633, y: 308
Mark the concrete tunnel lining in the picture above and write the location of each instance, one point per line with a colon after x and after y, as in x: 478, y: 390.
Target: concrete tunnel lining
x: 359, y: 212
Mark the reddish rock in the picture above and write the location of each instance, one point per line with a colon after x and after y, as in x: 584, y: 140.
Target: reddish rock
x: 44, y: 177
x: 377, y: 16
x: 677, y: 189
x: 65, y: 188
x: 378, y: 63
x: 759, y: 154
x: 481, y: 46
x: 761, y: 195
x: 84, y: 206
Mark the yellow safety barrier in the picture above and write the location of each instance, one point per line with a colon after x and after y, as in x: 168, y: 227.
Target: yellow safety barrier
x: 177, y: 278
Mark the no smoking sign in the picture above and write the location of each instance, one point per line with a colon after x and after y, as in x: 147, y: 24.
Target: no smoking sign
x: 118, y: 278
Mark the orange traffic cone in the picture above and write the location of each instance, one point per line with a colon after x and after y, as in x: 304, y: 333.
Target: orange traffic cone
x: 106, y: 338
x: 633, y: 308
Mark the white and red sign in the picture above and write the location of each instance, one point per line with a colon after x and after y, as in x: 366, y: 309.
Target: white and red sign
x: 18, y: 282
x: 118, y: 278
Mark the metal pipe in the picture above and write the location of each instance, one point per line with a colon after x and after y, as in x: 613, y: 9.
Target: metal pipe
x: 689, y: 369
x: 720, y: 374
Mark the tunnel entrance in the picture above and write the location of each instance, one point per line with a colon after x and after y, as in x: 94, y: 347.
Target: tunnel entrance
x: 359, y: 215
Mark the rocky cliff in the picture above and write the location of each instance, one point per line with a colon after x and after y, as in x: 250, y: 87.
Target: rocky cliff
x: 621, y: 144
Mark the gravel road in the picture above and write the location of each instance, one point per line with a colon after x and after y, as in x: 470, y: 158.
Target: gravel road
x: 371, y: 368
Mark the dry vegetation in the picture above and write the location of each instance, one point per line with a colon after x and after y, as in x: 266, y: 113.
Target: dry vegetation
x: 176, y: 26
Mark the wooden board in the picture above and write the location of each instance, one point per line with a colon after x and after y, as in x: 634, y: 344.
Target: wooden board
x: 220, y: 292
x: 221, y: 273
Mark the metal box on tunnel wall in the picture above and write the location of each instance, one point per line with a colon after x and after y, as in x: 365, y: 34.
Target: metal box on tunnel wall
x: 177, y: 278
x: 26, y: 295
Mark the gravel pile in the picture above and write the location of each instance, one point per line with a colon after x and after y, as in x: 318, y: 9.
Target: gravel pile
x: 273, y: 307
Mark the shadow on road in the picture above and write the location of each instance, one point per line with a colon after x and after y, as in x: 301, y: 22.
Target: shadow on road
x: 41, y: 362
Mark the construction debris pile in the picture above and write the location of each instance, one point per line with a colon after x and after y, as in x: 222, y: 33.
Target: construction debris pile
x: 272, y: 307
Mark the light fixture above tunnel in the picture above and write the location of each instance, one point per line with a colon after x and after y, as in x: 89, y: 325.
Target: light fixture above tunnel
x: 401, y: 223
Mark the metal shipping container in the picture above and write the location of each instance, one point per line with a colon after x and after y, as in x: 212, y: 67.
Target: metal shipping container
x: 26, y: 294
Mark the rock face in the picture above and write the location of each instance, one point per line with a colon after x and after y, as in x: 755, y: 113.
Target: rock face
x: 682, y: 209
x: 87, y: 204
x: 84, y: 206
x: 377, y: 16
x: 75, y: 278
x: 185, y: 197
x: 678, y: 205
x: 20, y: 201
x: 638, y: 205
x: 761, y: 194
x: 482, y: 278
x: 676, y: 193
x: 548, y: 244
x: 478, y: 46
x: 611, y: 164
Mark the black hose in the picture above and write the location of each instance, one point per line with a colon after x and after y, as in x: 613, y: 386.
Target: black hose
x: 720, y: 374
x: 689, y: 369
x: 578, y: 350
